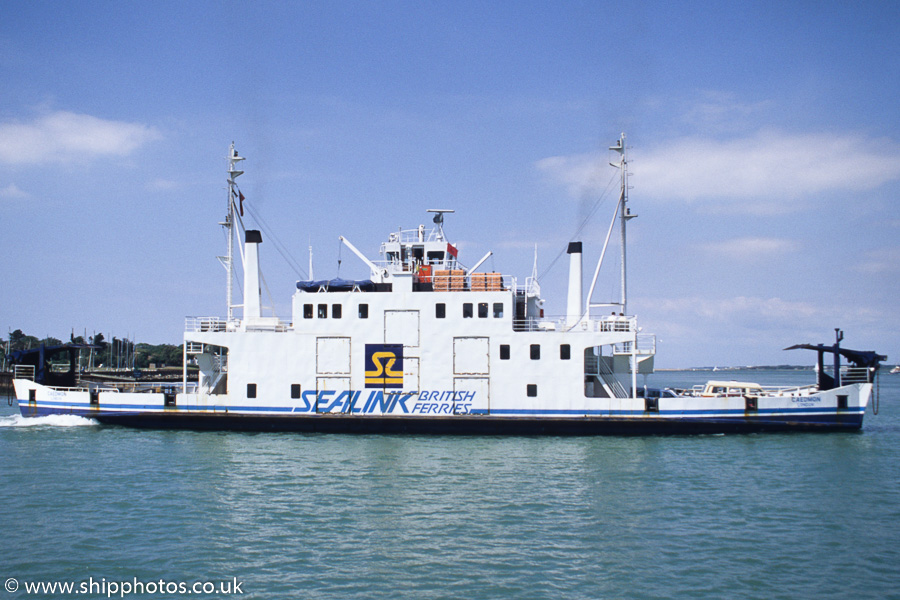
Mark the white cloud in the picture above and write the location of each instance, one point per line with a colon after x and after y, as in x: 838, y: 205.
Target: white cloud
x: 885, y: 260
x: 63, y: 136
x: 162, y: 185
x: 582, y: 174
x: 740, y: 330
x: 761, y: 173
x: 12, y: 191
x: 739, y: 309
x: 717, y: 111
x: 750, y: 248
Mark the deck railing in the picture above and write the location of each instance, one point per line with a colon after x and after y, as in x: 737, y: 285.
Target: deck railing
x: 201, y: 324
x: 856, y: 375
x: 611, y: 324
x: 216, y: 324
x: 23, y: 372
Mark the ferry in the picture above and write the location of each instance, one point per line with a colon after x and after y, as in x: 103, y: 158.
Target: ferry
x: 430, y: 345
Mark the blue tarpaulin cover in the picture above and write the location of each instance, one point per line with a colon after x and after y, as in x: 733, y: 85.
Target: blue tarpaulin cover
x: 336, y: 285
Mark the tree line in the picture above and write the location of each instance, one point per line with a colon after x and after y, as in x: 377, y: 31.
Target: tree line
x: 117, y: 353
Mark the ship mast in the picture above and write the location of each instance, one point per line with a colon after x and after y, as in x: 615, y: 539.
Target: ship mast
x: 228, y: 224
x: 624, y: 212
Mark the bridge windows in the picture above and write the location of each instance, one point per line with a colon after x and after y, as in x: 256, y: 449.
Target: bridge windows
x: 337, y: 311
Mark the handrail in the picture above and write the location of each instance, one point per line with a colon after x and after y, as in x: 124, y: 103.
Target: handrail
x: 203, y: 324
x: 23, y: 372
x: 128, y: 387
x: 611, y: 324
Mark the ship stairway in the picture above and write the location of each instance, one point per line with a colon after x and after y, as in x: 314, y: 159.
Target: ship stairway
x: 214, y: 371
x: 598, y: 367
x: 613, y: 385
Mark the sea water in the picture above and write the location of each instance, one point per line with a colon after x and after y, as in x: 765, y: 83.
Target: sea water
x: 108, y: 509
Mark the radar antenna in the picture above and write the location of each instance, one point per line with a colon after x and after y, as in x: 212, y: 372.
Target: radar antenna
x: 439, y: 219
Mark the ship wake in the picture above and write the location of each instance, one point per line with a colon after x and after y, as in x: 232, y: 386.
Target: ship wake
x: 46, y: 421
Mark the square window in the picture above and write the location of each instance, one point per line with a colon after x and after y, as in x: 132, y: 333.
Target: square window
x: 498, y: 310
x: 532, y: 390
x: 565, y: 352
x: 467, y: 310
x: 440, y: 310
x: 482, y: 310
x: 363, y: 311
x: 307, y: 311
x: 504, y: 351
x: 251, y: 390
x: 295, y: 391
x: 323, y: 311
x: 535, y: 351
x: 336, y: 311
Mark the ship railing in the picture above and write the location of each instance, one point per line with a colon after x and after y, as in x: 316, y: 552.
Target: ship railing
x: 762, y: 390
x: 23, y: 372
x: 611, y: 324
x: 204, y: 324
x: 411, y: 236
x: 217, y: 324
x: 646, y: 345
x: 455, y: 280
x: 192, y: 348
x: 133, y: 387
x: 856, y: 375
x: 851, y: 375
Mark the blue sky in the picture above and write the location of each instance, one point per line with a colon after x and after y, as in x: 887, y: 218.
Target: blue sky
x: 764, y: 136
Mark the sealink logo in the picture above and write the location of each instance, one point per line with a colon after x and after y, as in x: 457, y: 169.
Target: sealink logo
x: 384, y: 365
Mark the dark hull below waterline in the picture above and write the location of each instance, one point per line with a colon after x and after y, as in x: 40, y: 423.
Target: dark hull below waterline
x: 479, y: 425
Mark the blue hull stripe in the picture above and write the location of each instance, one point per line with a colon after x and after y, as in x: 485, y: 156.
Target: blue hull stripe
x: 133, y: 408
x: 519, y: 422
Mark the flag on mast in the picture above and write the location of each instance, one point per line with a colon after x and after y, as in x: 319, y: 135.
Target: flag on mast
x: 241, y: 196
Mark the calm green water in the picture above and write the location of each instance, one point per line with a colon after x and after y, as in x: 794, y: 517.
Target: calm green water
x: 335, y: 516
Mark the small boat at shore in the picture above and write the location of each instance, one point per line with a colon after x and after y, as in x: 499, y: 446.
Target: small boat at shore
x: 428, y: 344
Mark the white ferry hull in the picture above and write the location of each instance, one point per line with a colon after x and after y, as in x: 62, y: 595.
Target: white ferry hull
x: 679, y: 415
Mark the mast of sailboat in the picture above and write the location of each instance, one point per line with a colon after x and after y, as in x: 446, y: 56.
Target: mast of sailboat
x: 624, y: 212
x: 228, y: 224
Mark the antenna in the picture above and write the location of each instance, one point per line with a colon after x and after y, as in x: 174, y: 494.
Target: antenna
x: 310, y: 260
x: 624, y: 212
x: 228, y: 224
x: 439, y: 219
